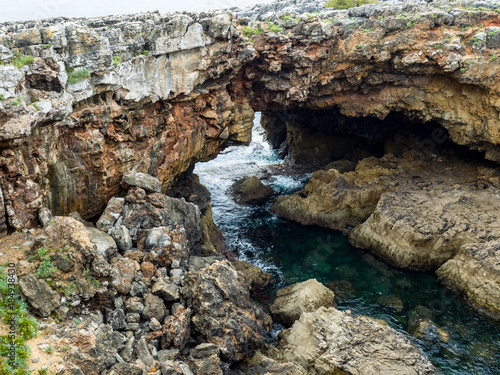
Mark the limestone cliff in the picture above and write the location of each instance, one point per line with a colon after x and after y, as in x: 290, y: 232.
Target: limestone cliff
x: 156, y: 93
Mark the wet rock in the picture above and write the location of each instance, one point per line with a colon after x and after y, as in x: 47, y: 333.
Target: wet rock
x: 154, y: 307
x: 330, y: 341
x: 294, y: 300
x: 40, y: 296
x: 475, y: 273
x: 427, y: 329
x: 343, y: 290
x: 257, y: 278
x: 223, y: 313
x: 142, y: 180
x: 250, y: 191
x: 391, y: 302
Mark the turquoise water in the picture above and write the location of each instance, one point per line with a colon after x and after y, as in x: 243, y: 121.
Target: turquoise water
x: 364, y: 285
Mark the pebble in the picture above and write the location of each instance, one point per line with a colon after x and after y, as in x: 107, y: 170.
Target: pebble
x: 35, y: 359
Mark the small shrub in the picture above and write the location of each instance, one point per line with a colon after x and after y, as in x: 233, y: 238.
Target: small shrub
x: 117, y: 60
x: 75, y: 76
x: 494, y: 57
x: 346, y: 4
x: 50, y: 349
x: 462, y: 70
x: 69, y: 289
x: 409, y: 24
x: 2, y: 98
x: 21, y: 60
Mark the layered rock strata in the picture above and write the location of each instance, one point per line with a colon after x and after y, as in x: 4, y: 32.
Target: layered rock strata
x: 156, y: 93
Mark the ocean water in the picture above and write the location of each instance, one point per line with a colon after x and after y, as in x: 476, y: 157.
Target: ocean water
x: 39, y: 9
x: 294, y: 253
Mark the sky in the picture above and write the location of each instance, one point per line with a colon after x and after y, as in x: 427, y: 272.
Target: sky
x: 18, y: 10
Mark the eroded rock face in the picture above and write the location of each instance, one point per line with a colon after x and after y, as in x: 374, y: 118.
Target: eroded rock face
x: 329, y: 341
x: 475, y: 273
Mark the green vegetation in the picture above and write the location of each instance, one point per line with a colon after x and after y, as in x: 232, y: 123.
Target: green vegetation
x: 463, y: 70
x: 17, y: 101
x: 494, y: 57
x: 12, y: 308
x: 409, y: 24
x: 21, y: 60
x: 77, y: 321
x: 75, y: 76
x: 436, y: 46
x: 361, y: 45
x: 2, y: 98
x: 69, y: 289
x: 117, y: 60
x: 346, y: 4
x: 45, y: 268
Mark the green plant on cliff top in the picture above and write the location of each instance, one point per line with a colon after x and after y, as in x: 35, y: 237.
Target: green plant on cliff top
x: 346, y: 4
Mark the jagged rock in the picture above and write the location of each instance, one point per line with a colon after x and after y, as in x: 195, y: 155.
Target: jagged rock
x: 158, y: 240
x: 250, y: 190
x: 294, y: 300
x: 62, y: 262
x: 142, y: 180
x: 44, y: 215
x: 126, y: 271
x: 121, y: 235
x: 154, y: 307
x: 111, y: 214
x: 177, y: 329
x: 134, y: 305
x: 175, y: 368
x: 125, y: 369
x: 142, y: 352
x: 475, y: 273
x: 167, y: 355
x: 41, y: 297
x: 223, y: 313
x: 116, y: 318
x: 168, y: 291
x: 257, y: 278
x: 105, y: 244
x: 204, y: 359
x: 329, y: 341
x: 108, y: 343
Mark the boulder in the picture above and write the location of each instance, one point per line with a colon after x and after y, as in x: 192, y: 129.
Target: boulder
x: 250, y: 190
x: 223, y: 313
x: 294, y: 300
x: 142, y: 180
x: 329, y: 341
x: 257, y: 278
x: 154, y: 307
x: 177, y: 329
x: 41, y: 297
x: 104, y: 243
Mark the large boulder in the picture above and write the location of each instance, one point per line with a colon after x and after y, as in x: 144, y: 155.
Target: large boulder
x: 329, y: 341
x: 142, y: 180
x: 250, y: 190
x: 223, y: 313
x: 475, y: 274
x: 294, y: 300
